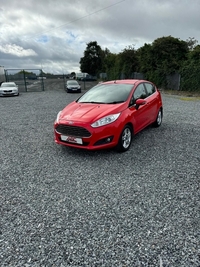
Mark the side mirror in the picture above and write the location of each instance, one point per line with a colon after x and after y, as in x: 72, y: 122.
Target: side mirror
x: 139, y: 102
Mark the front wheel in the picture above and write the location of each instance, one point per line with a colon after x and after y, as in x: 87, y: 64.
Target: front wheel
x: 158, y: 120
x: 125, y: 139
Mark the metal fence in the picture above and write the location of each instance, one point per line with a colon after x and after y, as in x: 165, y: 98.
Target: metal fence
x: 28, y: 80
x: 173, y: 81
x: 32, y: 80
x: 2, y: 75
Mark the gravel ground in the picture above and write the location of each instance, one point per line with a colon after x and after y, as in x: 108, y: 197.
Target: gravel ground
x: 67, y: 207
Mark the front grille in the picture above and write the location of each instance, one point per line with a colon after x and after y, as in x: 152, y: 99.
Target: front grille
x: 75, y: 131
x: 7, y: 91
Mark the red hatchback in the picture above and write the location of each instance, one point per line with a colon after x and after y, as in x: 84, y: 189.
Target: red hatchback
x: 109, y: 114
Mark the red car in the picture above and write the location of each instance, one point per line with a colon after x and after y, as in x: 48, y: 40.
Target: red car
x: 109, y: 114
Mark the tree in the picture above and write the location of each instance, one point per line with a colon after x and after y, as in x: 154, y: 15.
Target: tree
x: 191, y: 42
x: 112, y: 66
x: 195, y: 54
x: 91, y: 62
x: 129, y: 61
x: 144, y: 56
x: 190, y: 71
x: 168, y: 54
x: 163, y: 57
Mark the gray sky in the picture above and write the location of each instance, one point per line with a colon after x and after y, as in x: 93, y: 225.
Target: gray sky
x: 53, y: 34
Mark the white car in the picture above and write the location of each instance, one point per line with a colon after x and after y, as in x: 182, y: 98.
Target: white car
x: 9, y: 89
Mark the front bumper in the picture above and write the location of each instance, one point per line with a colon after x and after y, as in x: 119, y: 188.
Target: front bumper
x: 86, y: 137
x: 9, y: 93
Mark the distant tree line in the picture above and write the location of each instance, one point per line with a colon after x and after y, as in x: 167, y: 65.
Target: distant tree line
x: 165, y: 56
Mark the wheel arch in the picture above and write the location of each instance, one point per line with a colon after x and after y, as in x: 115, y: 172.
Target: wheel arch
x: 131, y: 125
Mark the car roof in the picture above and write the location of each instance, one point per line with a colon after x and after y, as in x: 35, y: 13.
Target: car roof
x: 125, y: 81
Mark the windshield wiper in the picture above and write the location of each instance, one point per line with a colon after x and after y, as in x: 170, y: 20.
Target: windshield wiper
x: 93, y: 102
x: 116, y: 102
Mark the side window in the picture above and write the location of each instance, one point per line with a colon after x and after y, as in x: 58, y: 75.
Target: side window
x: 139, y: 92
x: 150, y: 88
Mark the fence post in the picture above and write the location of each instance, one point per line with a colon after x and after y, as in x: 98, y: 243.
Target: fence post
x: 42, y: 83
x: 64, y: 81
x: 6, y: 75
x: 25, y: 80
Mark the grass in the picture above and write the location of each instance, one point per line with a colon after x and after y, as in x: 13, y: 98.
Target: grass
x: 184, y: 95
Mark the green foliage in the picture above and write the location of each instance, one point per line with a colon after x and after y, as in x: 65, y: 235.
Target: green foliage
x: 195, y: 54
x: 25, y: 72
x: 91, y: 62
x: 161, y: 58
x: 128, y: 61
x: 145, y: 58
x: 190, y: 71
x: 191, y: 43
x: 165, y: 56
x: 191, y: 77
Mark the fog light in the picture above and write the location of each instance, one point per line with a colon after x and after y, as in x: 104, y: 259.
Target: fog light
x: 104, y: 141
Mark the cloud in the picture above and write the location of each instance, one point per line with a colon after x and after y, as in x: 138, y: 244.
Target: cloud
x: 17, y: 50
x: 55, y: 34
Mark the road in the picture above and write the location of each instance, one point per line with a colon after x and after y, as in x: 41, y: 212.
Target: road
x: 67, y: 207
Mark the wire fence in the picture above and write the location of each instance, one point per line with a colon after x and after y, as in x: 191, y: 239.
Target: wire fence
x: 28, y: 80
x: 31, y: 80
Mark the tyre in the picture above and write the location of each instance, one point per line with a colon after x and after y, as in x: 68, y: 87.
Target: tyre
x: 158, y: 120
x: 125, y: 139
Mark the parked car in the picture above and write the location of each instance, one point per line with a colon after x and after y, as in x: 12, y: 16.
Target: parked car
x: 9, y: 89
x: 109, y: 114
x: 89, y: 78
x: 73, y: 86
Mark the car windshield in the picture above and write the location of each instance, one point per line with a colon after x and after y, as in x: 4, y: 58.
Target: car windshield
x: 8, y: 85
x: 107, y: 94
x: 72, y: 82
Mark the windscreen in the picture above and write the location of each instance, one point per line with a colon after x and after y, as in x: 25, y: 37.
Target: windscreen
x: 72, y: 82
x: 107, y: 94
x: 8, y: 85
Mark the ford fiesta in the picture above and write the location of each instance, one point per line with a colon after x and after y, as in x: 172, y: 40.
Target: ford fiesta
x: 109, y: 114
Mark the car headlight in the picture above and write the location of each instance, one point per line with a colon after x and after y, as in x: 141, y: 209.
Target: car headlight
x: 106, y: 120
x: 58, y: 116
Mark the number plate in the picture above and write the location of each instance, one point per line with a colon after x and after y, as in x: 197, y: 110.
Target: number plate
x: 71, y: 139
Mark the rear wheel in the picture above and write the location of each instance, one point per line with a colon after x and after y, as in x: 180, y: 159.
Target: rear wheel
x: 125, y: 139
x: 158, y: 120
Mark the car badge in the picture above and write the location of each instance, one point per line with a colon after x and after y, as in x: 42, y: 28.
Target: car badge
x: 70, y: 122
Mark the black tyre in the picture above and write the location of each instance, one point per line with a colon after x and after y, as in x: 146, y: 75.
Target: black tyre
x: 158, y: 120
x: 125, y: 139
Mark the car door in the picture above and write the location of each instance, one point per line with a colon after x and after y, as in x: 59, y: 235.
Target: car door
x: 139, y: 114
x: 151, y: 100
